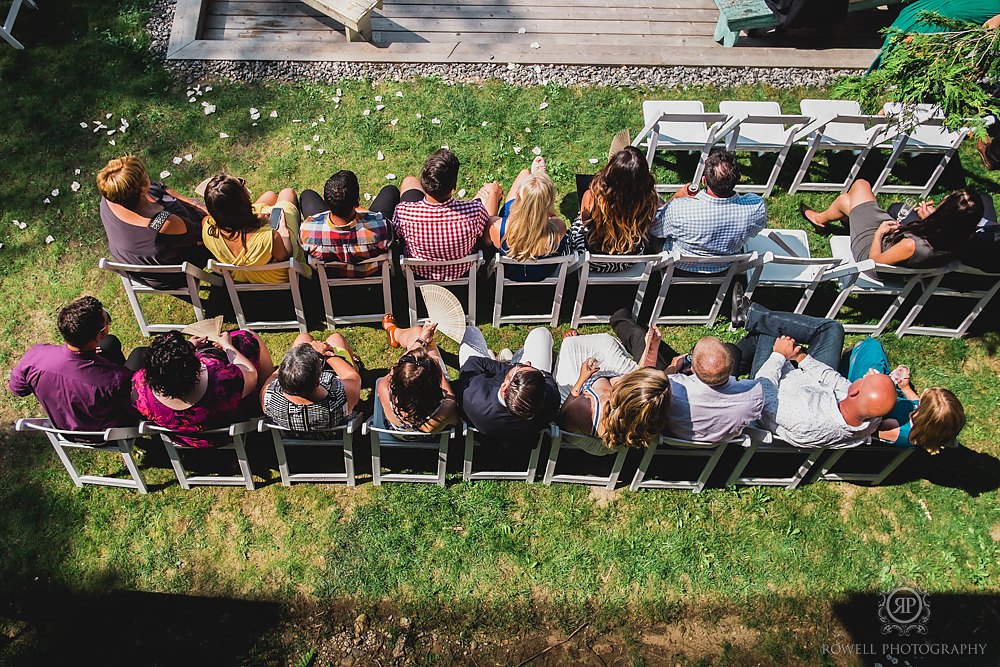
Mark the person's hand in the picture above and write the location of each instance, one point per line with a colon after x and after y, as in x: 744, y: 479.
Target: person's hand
x: 282, y: 225
x: 925, y: 208
x: 653, y: 336
x: 589, y: 367
x: 427, y: 332
x: 993, y: 23
x: 901, y: 376
x: 886, y: 227
x: 200, y: 342
x: 224, y: 341
x: 322, y: 347
x: 682, y: 192
x: 786, y: 347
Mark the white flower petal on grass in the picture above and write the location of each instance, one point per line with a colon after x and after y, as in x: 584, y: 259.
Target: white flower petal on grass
x: 254, y: 111
x: 484, y: 124
x: 379, y: 156
x: 336, y: 100
x: 177, y: 160
x: 273, y: 114
x: 164, y: 174
x: 435, y: 121
x: 107, y: 116
x: 536, y: 45
x: 188, y: 157
x: 209, y: 109
x: 313, y: 124
x: 192, y: 99
x: 223, y: 135
x: 75, y: 186
x: 340, y: 93
x: 543, y: 106
x: 366, y: 112
x: 55, y: 192
x: 592, y: 160
x: 527, y: 130
x: 123, y: 122
x: 379, y: 107
x: 378, y: 98
x: 461, y: 193
x: 84, y: 125
x: 49, y: 239
x: 189, y: 93
x: 517, y: 150
x: 393, y: 122
x: 76, y: 172
x: 536, y: 150
x: 315, y: 137
x: 420, y: 115
x: 44, y: 201
x: 208, y: 88
x: 320, y: 150
x: 368, y: 196
x: 322, y: 119
x: 399, y: 93
x: 1, y: 246
x: 296, y: 120
x: 112, y: 142
x: 521, y: 31
x: 22, y: 225
x: 307, y: 147
x: 391, y: 177
x: 110, y: 132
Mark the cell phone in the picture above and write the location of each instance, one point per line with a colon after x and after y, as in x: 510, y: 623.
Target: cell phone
x: 686, y: 363
x: 275, y: 216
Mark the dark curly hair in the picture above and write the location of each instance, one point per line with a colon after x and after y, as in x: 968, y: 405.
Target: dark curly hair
x: 415, y: 386
x: 341, y: 194
x: 82, y: 321
x: 172, y: 367
x: 439, y: 176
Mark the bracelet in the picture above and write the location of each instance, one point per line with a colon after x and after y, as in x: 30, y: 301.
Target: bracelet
x: 423, y: 343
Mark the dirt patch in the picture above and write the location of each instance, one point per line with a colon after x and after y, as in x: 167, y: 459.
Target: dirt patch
x: 995, y: 532
x: 603, y: 497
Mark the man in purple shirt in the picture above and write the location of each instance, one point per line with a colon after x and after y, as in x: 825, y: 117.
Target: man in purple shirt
x: 86, y: 384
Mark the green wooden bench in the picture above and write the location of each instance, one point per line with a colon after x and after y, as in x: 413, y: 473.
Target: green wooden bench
x: 737, y: 15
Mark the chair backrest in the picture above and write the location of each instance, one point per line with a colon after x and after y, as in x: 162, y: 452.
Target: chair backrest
x: 409, y: 265
x: 545, y: 261
x: 223, y: 432
x: 333, y: 435
x: 293, y: 270
x: 762, y: 123
x: 321, y: 266
x: 634, y: 264
x: 80, y: 438
x: 686, y: 128
x: 841, y: 132
x: 229, y: 273
x: 923, y: 125
x: 780, y: 242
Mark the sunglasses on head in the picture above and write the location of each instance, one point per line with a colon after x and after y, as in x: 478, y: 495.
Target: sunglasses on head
x: 423, y: 363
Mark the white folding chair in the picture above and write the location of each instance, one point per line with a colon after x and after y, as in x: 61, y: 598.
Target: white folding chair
x: 760, y: 128
x: 790, y: 264
x: 877, y: 449
x: 382, y: 437
x: 921, y: 132
x: 469, y: 473
x: 234, y: 288
x: 413, y: 281
x: 937, y: 286
x: 120, y: 440
x: 342, y: 437
x: 667, y: 446
x: 232, y: 437
x: 737, y: 264
x: 761, y: 442
x: 564, y: 439
x: 561, y: 265
x: 679, y: 127
x: 193, y: 277
x: 838, y: 125
x: 639, y: 269
x: 894, y: 281
x: 327, y: 282
x: 6, y: 31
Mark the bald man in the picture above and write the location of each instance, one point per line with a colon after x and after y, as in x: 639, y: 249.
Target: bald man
x: 707, y: 404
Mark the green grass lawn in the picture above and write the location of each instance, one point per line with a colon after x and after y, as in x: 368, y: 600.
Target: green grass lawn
x: 744, y: 576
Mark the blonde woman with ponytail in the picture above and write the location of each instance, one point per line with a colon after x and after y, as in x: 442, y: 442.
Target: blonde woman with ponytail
x: 529, y: 227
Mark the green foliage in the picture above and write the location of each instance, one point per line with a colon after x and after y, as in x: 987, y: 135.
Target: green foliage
x: 956, y: 69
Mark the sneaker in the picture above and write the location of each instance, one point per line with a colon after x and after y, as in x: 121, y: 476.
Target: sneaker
x: 505, y: 355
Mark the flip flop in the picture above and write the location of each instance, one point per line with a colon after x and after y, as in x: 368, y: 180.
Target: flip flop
x: 389, y: 324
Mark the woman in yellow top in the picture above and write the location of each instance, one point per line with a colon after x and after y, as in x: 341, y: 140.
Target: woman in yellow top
x: 239, y: 232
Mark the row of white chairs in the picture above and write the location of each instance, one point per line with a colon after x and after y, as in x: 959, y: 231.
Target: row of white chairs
x: 822, y: 126
x: 774, y: 258
x: 755, y: 443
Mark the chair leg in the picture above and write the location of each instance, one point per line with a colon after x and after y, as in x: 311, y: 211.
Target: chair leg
x: 411, y: 296
x: 895, y: 463
x: 376, y: 460
x: 804, y: 469
x: 498, y: 298
x: 742, y: 464
x: 300, y: 311
x: 175, y: 462
x: 708, y: 469
x: 472, y: 295
x: 349, y: 459
x: 640, y: 473
x: 897, y: 150
x: 550, y: 466
x: 133, y: 301
x: 467, y: 460
x: 442, y: 458
x: 558, y: 297
x: 581, y: 294
x: 239, y: 444
x: 386, y: 288
x: 66, y: 461
x: 140, y: 483
x: 533, y: 459
x: 280, y: 455
x: 616, y: 469
x: 804, y: 167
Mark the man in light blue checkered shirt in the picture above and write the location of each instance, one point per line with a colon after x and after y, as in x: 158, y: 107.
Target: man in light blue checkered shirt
x: 715, y: 221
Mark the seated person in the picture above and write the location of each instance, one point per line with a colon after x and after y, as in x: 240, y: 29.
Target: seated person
x: 316, y: 386
x: 616, y: 210
x: 433, y: 225
x: 239, y: 231
x: 515, y: 399
x: 808, y: 404
x: 86, y: 384
x: 529, y: 227
x: 336, y: 230
x: 707, y: 402
x: 935, y: 239
x: 608, y: 396
x: 197, y: 385
x: 416, y: 394
x: 147, y: 223
x: 930, y: 420
x: 714, y: 222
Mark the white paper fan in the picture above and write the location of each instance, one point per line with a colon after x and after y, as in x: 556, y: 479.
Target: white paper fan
x: 444, y: 309
x: 619, y: 142
x: 210, y: 328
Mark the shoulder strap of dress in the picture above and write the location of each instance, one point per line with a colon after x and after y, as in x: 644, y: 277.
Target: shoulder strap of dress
x: 158, y: 220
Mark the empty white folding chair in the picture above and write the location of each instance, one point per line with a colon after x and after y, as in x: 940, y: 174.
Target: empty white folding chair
x: 790, y: 264
x: 761, y: 443
x: 724, y: 280
x: 679, y: 126
x: 383, y: 437
x: 565, y: 440
x: 235, y: 289
x: 119, y: 440
x: 893, y: 457
x: 341, y: 437
x: 561, y: 266
x: 938, y: 286
x: 673, y: 448
x: 760, y: 127
x: 895, y: 281
x: 193, y: 277
x: 413, y: 281
x: 232, y: 438
x: 921, y: 132
x: 6, y: 31
x: 328, y: 281
x: 837, y: 125
x: 473, y: 439
x: 636, y: 274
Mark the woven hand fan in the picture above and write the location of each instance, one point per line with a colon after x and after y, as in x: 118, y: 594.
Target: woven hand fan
x: 210, y: 328
x: 444, y: 309
x: 619, y: 142
x: 201, y: 187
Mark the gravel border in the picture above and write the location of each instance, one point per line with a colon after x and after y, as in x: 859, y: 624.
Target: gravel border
x: 197, y: 71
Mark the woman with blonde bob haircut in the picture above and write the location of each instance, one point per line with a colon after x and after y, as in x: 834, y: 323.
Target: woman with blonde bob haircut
x: 529, y: 227
x: 147, y: 223
x: 617, y: 209
x: 608, y: 396
x: 937, y: 421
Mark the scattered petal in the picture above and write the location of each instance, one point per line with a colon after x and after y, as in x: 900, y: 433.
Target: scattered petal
x: 461, y: 193
x: 313, y: 124
x: 209, y: 109
x: 254, y: 111
x: 378, y: 98
x: 75, y: 186
x: 189, y: 93
x: 543, y: 105
x: 368, y: 196
x: 107, y: 116
x: 320, y: 150
x: 435, y: 121
x: 297, y: 120
x: 22, y: 225
x: 188, y: 157
x: 393, y: 122
x: 484, y: 124
x: 521, y: 31
x: 273, y: 114
x: 164, y: 174
x: 379, y: 156
x: 177, y: 160
x: 84, y: 125
x: 223, y: 135
x: 366, y: 112
x: 420, y: 115
x: 536, y: 45
x: 76, y: 172
x: 315, y: 137
x: 399, y: 93
x: 336, y: 100
x: 307, y: 147
x: 527, y: 130
x: 340, y: 93
x: 112, y: 142
x: 49, y: 239
x: 110, y: 132
x: 511, y: 66
x: 592, y: 160
x: 192, y: 99
x: 44, y: 201
x: 1, y: 246
x: 55, y: 192
x: 379, y: 107
x: 391, y: 177
x: 517, y: 150
x: 322, y: 119
x: 536, y: 150
x: 208, y: 88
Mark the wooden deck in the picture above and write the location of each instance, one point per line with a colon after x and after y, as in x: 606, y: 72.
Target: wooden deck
x: 581, y: 32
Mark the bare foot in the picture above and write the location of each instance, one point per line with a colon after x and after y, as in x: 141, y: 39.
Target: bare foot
x: 570, y: 333
x: 538, y: 165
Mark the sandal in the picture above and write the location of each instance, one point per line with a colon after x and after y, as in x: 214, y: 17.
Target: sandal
x: 570, y: 333
x: 822, y: 230
x: 389, y: 324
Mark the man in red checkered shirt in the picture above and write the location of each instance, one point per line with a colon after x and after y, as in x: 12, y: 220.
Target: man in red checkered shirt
x: 433, y: 225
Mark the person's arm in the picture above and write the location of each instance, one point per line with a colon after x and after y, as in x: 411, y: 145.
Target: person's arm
x: 681, y: 193
x: 194, y: 203
x: 265, y: 385
x: 888, y: 430
x: 650, y: 353
x: 18, y: 383
x: 824, y: 375
x: 897, y: 253
x: 586, y: 204
x: 349, y: 377
x: 760, y: 220
x: 236, y: 358
x: 493, y: 232
x: 476, y: 366
x: 993, y: 23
